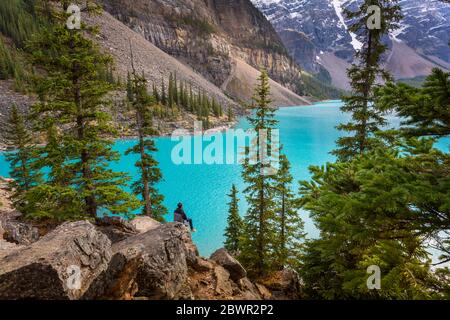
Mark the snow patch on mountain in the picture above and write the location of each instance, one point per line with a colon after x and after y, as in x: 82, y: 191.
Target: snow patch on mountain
x: 337, y: 4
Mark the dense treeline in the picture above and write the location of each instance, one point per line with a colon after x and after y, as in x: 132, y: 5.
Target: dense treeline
x: 311, y: 85
x: 18, y: 20
x: 65, y: 175
x: 269, y: 236
x: 383, y: 205
x: 179, y: 95
x: 385, y: 202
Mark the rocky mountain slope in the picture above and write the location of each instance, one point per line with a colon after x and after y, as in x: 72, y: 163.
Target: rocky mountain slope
x: 210, y: 35
x: 115, y: 39
x: 217, y: 46
x: 418, y: 46
x: 121, y: 260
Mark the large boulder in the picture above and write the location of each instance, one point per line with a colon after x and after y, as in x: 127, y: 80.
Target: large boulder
x: 61, y: 265
x: 284, y: 284
x: 159, y: 260
x: 116, y: 228
x: 143, y: 224
x: 223, y: 258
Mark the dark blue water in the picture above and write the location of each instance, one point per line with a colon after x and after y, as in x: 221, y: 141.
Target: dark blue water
x: 308, y: 135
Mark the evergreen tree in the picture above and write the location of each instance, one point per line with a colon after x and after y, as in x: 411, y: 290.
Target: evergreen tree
x: 181, y: 96
x: 171, y: 95
x: 176, y: 96
x: 155, y: 93
x: 369, y: 212
x: 289, y: 225
x: 233, y: 232
x: 426, y: 110
x: 364, y: 74
x: 230, y: 114
x: 23, y: 159
x: 129, y: 87
x: 150, y: 174
x: 259, y: 231
x: 163, y: 93
x: 73, y: 93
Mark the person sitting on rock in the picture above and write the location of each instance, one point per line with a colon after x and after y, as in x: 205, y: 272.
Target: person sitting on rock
x: 180, y: 216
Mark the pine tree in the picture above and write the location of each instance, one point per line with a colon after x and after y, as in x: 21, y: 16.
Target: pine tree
x: 73, y: 93
x: 171, y: 93
x: 369, y: 212
x: 129, y: 86
x: 426, y: 110
x: 23, y: 159
x: 364, y: 74
x: 259, y: 231
x: 289, y: 225
x: 176, y: 95
x: 234, y: 229
x: 191, y: 100
x: 230, y: 114
x: 155, y: 93
x: 150, y: 174
x: 163, y: 93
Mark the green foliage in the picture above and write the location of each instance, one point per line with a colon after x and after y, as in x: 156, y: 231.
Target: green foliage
x: 289, y: 225
x: 150, y: 174
x: 318, y: 88
x: 18, y: 20
x: 426, y: 110
x: 23, y: 159
x: 13, y: 66
x: 416, y: 82
x: 363, y: 74
x: 377, y: 209
x: 234, y: 229
x: 202, y: 26
x: 72, y: 98
x: 259, y: 229
x: 180, y: 95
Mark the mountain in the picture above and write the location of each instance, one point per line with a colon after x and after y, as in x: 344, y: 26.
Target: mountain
x: 420, y: 44
x: 217, y: 46
x: 213, y: 37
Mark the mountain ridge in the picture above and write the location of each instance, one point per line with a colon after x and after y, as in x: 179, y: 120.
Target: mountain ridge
x: 423, y: 35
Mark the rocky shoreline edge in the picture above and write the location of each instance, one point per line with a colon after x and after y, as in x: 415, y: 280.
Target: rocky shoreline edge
x: 115, y: 259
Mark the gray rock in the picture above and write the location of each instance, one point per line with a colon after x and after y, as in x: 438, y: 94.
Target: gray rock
x: 285, y: 285
x: 223, y: 283
x: 233, y: 266
x: 143, y: 224
x: 48, y: 268
x: 116, y: 228
x: 159, y: 259
x: 19, y: 232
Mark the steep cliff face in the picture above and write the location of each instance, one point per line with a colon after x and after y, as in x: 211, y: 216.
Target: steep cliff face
x: 209, y: 34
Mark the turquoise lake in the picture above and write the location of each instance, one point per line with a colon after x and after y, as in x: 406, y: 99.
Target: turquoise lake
x: 307, y: 133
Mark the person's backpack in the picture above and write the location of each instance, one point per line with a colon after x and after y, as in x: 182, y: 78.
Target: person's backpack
x: 177, y: 217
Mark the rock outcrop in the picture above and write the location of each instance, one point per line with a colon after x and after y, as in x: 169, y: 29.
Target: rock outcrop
x: 62, y: 265
x: 208, y: 35
x: 223, y: 258
x: 77, y: 260
x: 160, y: 258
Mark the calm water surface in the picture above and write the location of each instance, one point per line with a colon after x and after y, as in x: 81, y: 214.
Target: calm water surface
x: 308, y: 135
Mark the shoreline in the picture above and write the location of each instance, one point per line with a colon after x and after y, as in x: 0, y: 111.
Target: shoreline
x: 217, y: 129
